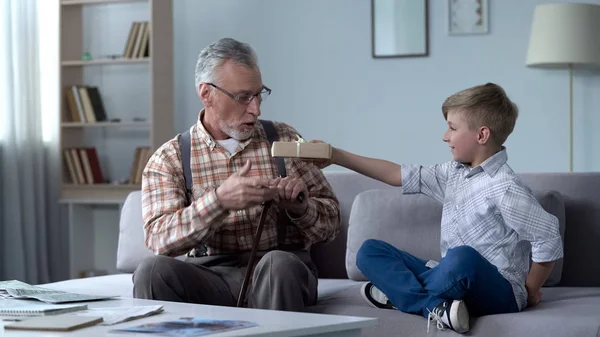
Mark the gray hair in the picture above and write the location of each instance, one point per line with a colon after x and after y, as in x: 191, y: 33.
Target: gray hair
x: 214, y: 55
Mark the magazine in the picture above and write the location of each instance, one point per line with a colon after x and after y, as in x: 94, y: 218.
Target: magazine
x: 19, y: 290
x: 189, y: 326
x: 115, y: 315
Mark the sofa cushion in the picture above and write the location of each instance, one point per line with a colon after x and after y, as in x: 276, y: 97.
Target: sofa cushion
x: 581, y: 194
x: 412, y: 224
x: 330, y: 257
x: 409, y: 222
x: 563, y: 312
x: 132, y: 248
x: 553, y: 203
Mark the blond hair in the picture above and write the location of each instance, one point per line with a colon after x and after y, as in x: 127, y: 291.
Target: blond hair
x: 485, y: 105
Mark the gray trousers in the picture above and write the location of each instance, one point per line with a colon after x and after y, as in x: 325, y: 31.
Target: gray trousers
x: 281, y: 280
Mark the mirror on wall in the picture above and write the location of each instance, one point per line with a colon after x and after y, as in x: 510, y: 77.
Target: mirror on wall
x: 399, y: 28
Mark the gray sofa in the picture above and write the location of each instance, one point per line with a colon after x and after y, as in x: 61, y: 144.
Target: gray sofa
x: 571, y: 299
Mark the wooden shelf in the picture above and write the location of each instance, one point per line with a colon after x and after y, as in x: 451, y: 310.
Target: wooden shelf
x: 88, y: 193
x: 104, y: 124
x: 80, y: 63
x: 90, y: 2
x: 158, y: 126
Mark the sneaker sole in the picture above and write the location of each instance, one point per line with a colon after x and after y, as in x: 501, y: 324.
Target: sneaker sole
x: 372, y: 302
x: 363, y: 294
x: 460, y: 315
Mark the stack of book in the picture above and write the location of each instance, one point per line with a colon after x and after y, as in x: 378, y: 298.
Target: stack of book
x: 138, y: 42
x: 83, y: 165
x: 142, y: 154
x: 84, y: 104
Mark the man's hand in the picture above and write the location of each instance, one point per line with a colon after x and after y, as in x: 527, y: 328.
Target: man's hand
x: 289, y: 189
x: 240, y: 191
x: 534, y: 297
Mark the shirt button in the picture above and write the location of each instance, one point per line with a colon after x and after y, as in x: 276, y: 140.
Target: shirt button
x: 242, y: 238
x: 240, y: 212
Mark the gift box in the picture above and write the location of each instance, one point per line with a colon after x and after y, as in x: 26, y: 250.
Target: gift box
x: 301, y: 150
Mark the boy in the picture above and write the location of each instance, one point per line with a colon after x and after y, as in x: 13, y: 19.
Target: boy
x: 490, y: 223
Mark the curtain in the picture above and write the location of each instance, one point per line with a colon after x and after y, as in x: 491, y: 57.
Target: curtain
x: 31, y: 236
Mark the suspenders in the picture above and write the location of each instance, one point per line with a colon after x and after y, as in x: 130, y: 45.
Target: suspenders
x: 185, y: 149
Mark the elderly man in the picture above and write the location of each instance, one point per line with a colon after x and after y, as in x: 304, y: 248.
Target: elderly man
x: 232, y: 176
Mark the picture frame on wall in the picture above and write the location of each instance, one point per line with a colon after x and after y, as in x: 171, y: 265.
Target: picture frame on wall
x: 468, y: 17
x: 399, y: 28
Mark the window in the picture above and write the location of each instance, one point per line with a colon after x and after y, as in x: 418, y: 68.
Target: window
x: 12, y: 16
x: 48, y: 42
x: 3, y: 66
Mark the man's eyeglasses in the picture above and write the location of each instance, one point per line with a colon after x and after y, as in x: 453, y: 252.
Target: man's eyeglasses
x: 245, y: 98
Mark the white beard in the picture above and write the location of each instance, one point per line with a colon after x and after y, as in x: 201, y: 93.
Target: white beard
x: 234, y: 133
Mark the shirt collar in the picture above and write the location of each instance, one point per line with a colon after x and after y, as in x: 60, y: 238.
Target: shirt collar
x: 204, y: 136
x: 490, y: 165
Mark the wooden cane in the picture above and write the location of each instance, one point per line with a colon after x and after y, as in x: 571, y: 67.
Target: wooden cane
x: 257, y: 236
x: 261, y: 224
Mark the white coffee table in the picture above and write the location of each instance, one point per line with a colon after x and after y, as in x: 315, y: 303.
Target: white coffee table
x: 270, y: 322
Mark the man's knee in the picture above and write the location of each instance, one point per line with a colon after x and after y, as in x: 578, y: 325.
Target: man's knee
x: 282, y: 281
x: 285, y: 264
x: 151, y: 269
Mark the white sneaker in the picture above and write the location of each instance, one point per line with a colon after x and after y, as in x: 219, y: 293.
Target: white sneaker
x: 375, y: 297
x: 453, y: 315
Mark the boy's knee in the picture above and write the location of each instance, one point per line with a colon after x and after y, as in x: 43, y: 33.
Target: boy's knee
x: 463, y: 253
x: 464, y: 258
x: 369, y: 248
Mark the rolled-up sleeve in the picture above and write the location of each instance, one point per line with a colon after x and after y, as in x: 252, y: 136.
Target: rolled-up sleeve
x: 429, y: 180
x: 523, y: 213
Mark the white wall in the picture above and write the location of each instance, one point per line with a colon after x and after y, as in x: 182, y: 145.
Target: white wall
x: 316, y: 56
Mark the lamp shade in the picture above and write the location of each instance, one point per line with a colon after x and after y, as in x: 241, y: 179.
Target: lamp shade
x: 564, y: 33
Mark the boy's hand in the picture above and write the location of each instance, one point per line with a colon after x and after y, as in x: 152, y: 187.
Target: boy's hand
x: 323, y: 163
x: 534, y: 297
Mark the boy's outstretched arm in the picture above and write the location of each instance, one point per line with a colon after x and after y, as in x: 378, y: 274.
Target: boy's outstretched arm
x: 382, y: 170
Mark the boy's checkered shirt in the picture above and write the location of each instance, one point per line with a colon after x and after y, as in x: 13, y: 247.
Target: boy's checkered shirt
x: 490, y: 209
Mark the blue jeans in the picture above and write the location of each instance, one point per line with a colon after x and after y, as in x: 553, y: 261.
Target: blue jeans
x: 463, y: 274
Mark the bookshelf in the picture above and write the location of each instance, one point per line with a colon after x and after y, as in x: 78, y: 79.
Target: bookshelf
x: 119, y: 110
x: 78, y: 63
x: 153, y: 123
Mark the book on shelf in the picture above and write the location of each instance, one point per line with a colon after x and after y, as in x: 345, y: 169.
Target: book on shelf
x: 84, y: 104
x: 138, y: 41
x: 142, y: 155
x: 83, y: 165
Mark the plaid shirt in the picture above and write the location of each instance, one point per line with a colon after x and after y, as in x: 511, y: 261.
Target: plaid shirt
x: 173, y: 229
x: 491, y: 210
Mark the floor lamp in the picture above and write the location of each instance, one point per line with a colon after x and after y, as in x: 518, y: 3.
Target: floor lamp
x: 565, y: 35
